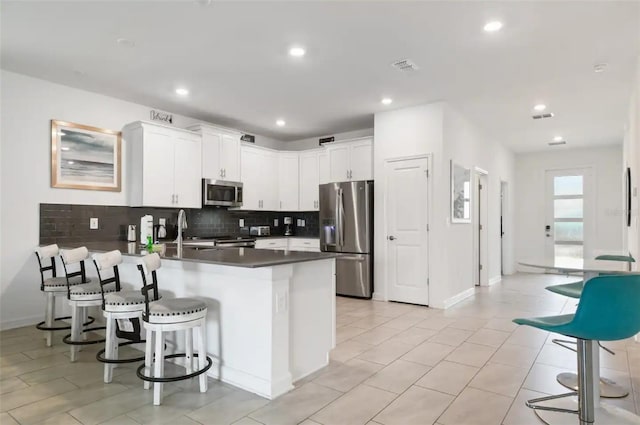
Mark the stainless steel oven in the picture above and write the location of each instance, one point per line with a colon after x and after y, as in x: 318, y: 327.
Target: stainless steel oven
x: 221, y: 193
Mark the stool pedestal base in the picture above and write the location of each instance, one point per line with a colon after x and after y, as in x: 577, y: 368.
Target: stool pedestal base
x: 604, y: 414
x: 608, y: 388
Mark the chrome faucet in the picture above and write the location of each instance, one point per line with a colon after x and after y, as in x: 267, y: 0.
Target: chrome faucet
x: 182, y: 224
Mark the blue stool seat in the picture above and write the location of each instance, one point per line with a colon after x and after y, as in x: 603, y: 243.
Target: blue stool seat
x: 571, y: 290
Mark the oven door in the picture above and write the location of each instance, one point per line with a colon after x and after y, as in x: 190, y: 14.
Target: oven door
x: 221, y: 193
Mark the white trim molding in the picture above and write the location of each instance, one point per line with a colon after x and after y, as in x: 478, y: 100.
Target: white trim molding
x: 494, y: 280
x: 451, y: 301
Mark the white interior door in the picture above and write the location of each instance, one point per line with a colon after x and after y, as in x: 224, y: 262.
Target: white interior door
x: 569, y: 214
x: 406, y: 212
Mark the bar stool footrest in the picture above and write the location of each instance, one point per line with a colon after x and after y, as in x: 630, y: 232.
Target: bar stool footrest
x: 532, y: 404
x: 42, y: 327
x: 174, y: 378
x: 102, y: 359
x: 67, y: 338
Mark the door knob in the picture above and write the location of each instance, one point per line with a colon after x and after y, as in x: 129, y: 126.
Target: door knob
x: 391, y: 238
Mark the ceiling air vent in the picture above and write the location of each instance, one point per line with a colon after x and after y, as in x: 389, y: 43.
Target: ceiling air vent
x: 405, y: 65
x: 542, y: 116
x: 562, y: 142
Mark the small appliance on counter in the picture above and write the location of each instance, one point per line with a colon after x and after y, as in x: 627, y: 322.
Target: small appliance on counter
x: 260, y: 231
x: 131, y: 233
x: 146, y: 228
x: 288, y: 226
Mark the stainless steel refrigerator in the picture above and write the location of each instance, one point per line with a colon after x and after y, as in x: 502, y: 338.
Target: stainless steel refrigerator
x: 346, y: 226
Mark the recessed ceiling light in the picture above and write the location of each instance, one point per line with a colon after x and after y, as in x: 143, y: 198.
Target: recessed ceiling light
x: 125, y: 42
x: 64, y: 148
x: 70, y: 162
x: 181, y: 91
x: 280, y: 123
x: 297, y: 52
x: 386, y: 101
x: 540, y: 107
x: 493, y: 26
x: 557, y: 139
x: 599, y: 67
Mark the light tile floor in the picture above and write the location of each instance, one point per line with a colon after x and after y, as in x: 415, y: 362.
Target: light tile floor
x: 394, y: 364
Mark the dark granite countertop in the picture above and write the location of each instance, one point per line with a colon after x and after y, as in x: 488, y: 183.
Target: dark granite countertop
x: 236, y: 257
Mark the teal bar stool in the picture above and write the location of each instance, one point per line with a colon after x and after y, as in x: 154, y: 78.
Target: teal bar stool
x: 608, y: 387
x: 608, y: 311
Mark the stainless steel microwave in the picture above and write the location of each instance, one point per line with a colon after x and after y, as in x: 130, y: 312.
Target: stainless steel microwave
x: 221, y: 193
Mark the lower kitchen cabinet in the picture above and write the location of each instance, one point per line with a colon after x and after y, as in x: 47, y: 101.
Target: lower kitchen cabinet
x: 291, y: 244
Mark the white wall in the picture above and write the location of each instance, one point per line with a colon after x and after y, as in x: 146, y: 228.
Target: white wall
x: 312, y: 142
x: 606, y: 164
x: 438, y: 130
x: 27, y: 106
x: 631, y: 158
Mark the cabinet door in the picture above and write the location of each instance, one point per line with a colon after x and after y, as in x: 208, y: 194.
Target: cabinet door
x: 288, y: 181
x: 323, y: 167
x: 309, y: 181
x: 187, y: 171
x: 157, y: 175
x: 268, y: 171
x: 230, y: 157
x: 361, y: 159
x: 250, y: 176
x: 211, y: 146
x: 339, y: 163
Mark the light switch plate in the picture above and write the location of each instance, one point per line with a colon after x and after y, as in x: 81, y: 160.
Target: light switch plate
x: 303, y: 223
x: 275, y: 222
x: 241, y: 222
x: 93, y: 223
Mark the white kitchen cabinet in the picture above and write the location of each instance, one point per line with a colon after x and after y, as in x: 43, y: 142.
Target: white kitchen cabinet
x: 259, y: 175
x: 220, y: 153
x: 272, y: 243
x: 351, y: 160
x: 323, y: 167
x: 288, y: 181
x: 309, y: 180
x: 163, y: 166
x: 291, y: 244
x: 304, y: 244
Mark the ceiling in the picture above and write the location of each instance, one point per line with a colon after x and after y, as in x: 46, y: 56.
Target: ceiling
x: 233, y: 57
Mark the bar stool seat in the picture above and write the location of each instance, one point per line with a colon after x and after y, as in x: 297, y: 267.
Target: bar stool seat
x: 122, y: 301
x: 87, y: 292
x: 571, y: 290
x: 174, y: 310
x: 58, y: 284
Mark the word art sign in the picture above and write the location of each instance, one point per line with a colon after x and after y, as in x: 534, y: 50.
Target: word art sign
x: 161, y: 116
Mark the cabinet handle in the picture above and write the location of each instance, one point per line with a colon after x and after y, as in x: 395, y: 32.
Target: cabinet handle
x: 176, y: 198
x: 224, y: 172
x: 221, y: 173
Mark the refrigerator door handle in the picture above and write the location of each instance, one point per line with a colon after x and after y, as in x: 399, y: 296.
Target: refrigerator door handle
x: 340, y: 217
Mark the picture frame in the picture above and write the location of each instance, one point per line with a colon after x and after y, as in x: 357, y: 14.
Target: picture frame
x: 460, y: 193
x: 85, y: 157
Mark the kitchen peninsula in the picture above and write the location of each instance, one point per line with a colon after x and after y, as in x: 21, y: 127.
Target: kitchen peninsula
x: 271, y: 314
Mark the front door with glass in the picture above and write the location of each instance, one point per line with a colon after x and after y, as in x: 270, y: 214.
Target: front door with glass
x: 569, y: 219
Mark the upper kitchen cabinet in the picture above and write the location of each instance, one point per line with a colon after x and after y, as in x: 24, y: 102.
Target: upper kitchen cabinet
x: 259, y: 176
x: 164, y: 168
x: 309, y: 180
x: 220, y: 152
x: 323, y: 166
x: 352, y: 160
x: 288, y: 181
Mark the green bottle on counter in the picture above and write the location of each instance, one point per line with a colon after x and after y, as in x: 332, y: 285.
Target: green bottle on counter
x: 149, y: 244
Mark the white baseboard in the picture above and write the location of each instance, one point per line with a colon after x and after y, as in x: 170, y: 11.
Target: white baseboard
x: 248, y: 382
x: 494, y: 280
x: 449, y: 302
x: 377, y: 296
x: 18, y: 323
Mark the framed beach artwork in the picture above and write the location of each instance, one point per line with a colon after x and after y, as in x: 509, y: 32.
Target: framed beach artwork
x: 460, y: 194
x: 84, y: 157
